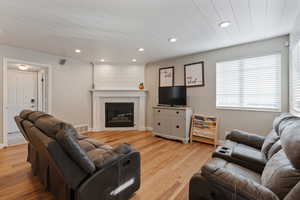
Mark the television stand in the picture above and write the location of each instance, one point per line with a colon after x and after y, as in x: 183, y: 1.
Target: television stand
x: 172, y: 122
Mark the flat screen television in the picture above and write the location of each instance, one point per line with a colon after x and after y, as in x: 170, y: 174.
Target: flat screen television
x: 172, y: 96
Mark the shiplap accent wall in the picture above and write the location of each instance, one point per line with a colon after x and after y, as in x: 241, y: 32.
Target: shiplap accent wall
x: 119, y: 76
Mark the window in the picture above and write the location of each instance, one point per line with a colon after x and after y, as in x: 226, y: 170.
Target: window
x: 251, y: 83
x: 295, y: 80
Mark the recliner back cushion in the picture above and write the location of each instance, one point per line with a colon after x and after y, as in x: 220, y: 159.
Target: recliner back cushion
x: 18, y: 121
x: 69, y: 143
x: 286, y: 123
x: 34, y: 116
x: 51, y: 125
x: 277, y: 121
x: 270, y: 140
x: 290, y: 141
x: 274, y: 149
x: 279, y: 175
x: 27, y: 126
x: 25, y: 113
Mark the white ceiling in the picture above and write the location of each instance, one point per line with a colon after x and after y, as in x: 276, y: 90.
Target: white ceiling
x: 115, y: 29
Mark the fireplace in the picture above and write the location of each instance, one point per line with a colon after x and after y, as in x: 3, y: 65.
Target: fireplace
x: 119, y: 114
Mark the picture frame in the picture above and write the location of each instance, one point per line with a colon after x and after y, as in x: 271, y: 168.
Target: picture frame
x: 194, y: 74
x: 166, y: 77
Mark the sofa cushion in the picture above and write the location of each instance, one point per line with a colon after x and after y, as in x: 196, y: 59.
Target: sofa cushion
x: 69, y: 143
x: 34, y: 116
x: 290, y: 141
x: 248, y: 154
x: 27, y: 126
x: 241, y: 154
x: 246, y: 138
x: 51, y: 125
x: 19, y: 121
x: 101, y: 157
x: 287, y: 122
x: 25, y: 113
x: 270, y: 140
x: 277, y: 121
x: 216, y: 163
x: 279, y: 175
x: 91, y: 144
x: 235, y: 183
x: 123, y: 148
x: 274, y: 149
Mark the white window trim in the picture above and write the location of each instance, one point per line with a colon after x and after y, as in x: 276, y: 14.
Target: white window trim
x: 249, y: 109
x: 293, y: 46
x: 255, y: 109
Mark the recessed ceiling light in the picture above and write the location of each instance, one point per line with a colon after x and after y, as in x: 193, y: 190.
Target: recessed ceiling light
x: 77, y: 50
x: 23, y: 67
x: 172, y: 39
x: 225, y: 24
x: 141, y: 49
x: 102, y: 60
x: 134, y: 60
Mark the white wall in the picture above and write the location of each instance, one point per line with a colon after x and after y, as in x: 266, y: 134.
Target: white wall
x: 71, y: 83
x: 119, y: 76
x: 203, y: 99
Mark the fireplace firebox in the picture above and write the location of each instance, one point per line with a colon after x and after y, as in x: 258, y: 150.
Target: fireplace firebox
x: 119, y: 115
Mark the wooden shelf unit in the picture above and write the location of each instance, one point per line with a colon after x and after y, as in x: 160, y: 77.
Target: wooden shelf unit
x: 204, y: 129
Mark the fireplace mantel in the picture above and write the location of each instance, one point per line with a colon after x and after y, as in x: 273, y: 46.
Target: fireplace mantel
x: 102, y: 96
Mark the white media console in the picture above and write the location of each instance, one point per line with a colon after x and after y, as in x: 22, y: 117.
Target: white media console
x: 172, y: 122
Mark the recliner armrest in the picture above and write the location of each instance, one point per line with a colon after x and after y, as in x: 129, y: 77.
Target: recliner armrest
x: 236, y: 184
x: 119, y: 179
x: 246, y: 138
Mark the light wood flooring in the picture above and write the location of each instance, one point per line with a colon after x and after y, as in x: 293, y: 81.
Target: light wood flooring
x: 166, y: 167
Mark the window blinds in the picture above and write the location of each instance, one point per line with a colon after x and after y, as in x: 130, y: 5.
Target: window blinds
x: 251, y: 83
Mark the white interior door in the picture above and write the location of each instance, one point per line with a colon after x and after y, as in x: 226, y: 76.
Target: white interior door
x: 22, y: 94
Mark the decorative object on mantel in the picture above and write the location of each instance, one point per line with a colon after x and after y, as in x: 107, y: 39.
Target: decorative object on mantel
x: 204, y: 129
x: 141, y: 86
x: 166, y: 77
x: 194, y: 74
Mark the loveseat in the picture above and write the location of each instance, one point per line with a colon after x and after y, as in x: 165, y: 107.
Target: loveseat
x: 75, y: 167
x: 252, y: 167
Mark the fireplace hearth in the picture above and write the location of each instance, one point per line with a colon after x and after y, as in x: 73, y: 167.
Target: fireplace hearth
x: 119, y: 114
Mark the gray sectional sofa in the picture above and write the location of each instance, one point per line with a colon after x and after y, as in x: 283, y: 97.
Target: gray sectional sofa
x: 74, y: 167
x: 252, y: 167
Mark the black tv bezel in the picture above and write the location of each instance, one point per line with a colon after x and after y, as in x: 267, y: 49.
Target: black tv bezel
x: 170, y: 104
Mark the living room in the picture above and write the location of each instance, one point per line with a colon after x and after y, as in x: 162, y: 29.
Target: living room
x: 194, y: 99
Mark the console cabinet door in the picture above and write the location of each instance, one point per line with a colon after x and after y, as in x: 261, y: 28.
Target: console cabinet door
x: 178, y: 128
x: 157, y: 125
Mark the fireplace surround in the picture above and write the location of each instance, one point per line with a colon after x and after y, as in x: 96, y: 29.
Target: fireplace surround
x: 102, y: 96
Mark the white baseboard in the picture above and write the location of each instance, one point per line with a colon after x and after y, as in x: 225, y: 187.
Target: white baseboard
x: 149, y: 128
x: 2, y: 146
x: 82, y: 128
x: 221, y: 142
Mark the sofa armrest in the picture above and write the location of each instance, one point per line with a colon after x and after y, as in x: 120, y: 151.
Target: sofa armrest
x: 246, y: 138
x: 119, y: 179
x: 236, y: 184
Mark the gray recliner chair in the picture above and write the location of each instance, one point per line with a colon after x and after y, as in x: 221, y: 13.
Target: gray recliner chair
x: 221, y: 179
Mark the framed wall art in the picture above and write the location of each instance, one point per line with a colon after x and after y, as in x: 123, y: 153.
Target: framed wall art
x: 194, y: 74
x: 166, y: 77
